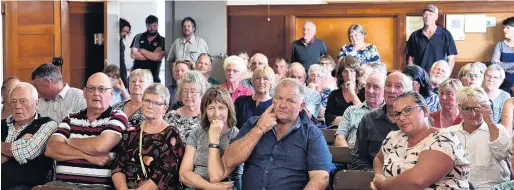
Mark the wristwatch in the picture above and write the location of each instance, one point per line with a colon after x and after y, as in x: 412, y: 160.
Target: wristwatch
x: 214, y: 146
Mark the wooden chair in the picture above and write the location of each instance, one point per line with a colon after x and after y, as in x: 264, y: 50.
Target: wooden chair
x: 341, y: 155
x: 353, y: 180
x: 329, y: 135
x: 47, y: 187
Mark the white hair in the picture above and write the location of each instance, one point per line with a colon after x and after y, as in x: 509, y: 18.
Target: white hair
x: 406, y: 80
x: 496, y: 67
x: 26, y: 85
x: 289, y: 81
x: 472, y: 94
x: 446, y: 65
x: 317, y: 67
x: 236, y: 61
x: 310, y: 22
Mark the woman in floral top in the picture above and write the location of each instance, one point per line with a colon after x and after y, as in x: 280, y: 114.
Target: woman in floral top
x: 419, y: 156
x: 190, y: 89
x: 139, y: 79
x: 364, y: 52
x: 151, y: 153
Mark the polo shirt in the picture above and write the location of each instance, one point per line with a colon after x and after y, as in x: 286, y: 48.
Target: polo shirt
x: 285, y: 163
x: 187, y: 50
x: 69, y: 100
x: 308, y: 54
x: 77, y: 125
x: 141, y: 41
x: 427, y: 51
x: 372, y: 130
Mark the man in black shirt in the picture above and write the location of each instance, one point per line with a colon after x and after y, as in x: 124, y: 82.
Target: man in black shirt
x: 148, y: 48
x: 124, y: 32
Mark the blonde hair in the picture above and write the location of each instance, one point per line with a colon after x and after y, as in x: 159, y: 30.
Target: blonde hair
x: 142, y: 73
x: 472, y: 94
x: 265, y: 71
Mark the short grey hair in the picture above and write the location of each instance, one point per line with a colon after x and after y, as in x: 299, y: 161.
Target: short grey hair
x: 310, y: 22
x: 407, y: 81
x: 160, y: 90
x: 26, y: 85
x: 453, y: 84
x: 257, y: 54
x: 472, y: 94
x: 316, y: 67
x: 496, y: 67
x: 471, y: 66
x: 235, y: 60
x: 47, y: 71
x: 379, y: 67
x: 357, y: 28
x: 195, y: 77
x: 143, y: 73
x: 292, y: 82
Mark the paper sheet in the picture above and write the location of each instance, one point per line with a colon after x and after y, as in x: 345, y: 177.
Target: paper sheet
x: 475, y: 24
x: 413, y: 23
x: 455, y: 25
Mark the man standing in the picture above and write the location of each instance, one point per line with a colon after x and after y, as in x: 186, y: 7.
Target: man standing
x: 124, y: 31
x: 308, y: 49
x: 23, y: 164
x: 439, y: 72
x: 58, y: 99
x: 374, y: 126
x: 374, y: 99
x: 148, y: 48
x: 204, y: 65
x: 83, y: 144
x: 431, y: 43
x: 257, y: 60
x: 281, y: 149
x: 189, y: 46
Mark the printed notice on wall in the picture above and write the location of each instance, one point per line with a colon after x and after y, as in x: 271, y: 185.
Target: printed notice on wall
x: 455, y: 25
x: 413, y: 23
x: 475, y: 24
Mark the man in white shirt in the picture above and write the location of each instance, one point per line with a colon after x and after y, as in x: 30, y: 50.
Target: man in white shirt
x: 57, y: 99
x: 486, y: 143
x: 189, y: 46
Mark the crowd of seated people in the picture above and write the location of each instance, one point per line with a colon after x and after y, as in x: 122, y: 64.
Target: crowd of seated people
x: 415, y: 128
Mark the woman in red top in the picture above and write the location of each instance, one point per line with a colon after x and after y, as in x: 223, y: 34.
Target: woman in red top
x: 448, y: 115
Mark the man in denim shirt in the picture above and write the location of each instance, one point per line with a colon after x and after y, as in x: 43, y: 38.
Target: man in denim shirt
x: 281, y: 149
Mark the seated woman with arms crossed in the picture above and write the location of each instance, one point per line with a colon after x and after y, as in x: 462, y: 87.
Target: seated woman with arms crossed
x: 419, y: 156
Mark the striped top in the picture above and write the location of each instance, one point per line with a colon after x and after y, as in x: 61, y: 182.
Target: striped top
x: 76, y: 125
x: 502, y: 48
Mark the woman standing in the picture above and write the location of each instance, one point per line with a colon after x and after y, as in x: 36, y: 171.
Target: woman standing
x: 364, y: 52
x: 190, y: 89
x: 150, y: 155
x: 202, y: 167
x: 139, y: 80
x: 503, y: 55
x: 449, y: 114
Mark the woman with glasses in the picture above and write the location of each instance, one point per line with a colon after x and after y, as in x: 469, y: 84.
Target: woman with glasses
x: 448, y: 115
x: 419, y: 156
x: 328, y: 65
x: 120, y: 93
x: 150, y: 154
x: 472, y: 74
x: 316, y: 76
x: 234, y: 67
x: 246, y: 107
x: 139, y: 79
x: 190, y: 90
x: 493, y: 78
x: 487, y: 144
x: 202, y: 167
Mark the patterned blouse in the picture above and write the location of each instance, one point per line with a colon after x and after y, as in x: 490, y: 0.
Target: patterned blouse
x: 184, y: 124
x: 365, y: 56
x: 162, y: 154
x: 398, y: 157
x: 324, y: 96
x: 136, y: 119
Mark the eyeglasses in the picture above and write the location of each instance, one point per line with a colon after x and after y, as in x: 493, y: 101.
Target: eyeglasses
x: 93, y: 89
x: 467, y: 109
x: 187, y: 92
x: 469, y: 75
x: 489, y: 77
x: 148, y: 102
x: 405, y: 112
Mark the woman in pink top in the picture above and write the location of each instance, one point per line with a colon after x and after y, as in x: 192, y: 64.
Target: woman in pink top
x: 234, y: 67
x: 448, y: 115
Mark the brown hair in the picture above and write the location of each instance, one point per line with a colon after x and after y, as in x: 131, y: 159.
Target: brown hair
x: 221, y: 95
x: 188, y: 63
x: 351, y: 63
x: 112, y: 69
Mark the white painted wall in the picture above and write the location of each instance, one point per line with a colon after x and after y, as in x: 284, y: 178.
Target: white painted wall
x: 113, y: 35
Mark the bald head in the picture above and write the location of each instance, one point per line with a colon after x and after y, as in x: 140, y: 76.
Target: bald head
x: 98, y: 92
x: 100, y: 79
x: 297, y: 71
x: 257, y: 60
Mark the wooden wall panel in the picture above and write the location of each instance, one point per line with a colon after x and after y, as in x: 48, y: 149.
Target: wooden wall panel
x: 334, y: 30
x: 35, y: 12
x: 255, y: 34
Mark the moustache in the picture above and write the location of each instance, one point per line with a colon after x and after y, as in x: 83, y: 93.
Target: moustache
x: 152, y: 32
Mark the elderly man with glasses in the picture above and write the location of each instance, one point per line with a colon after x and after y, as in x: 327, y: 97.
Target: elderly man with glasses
x: 83, y: 145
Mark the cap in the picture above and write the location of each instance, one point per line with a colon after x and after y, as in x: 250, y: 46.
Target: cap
x: 432, y: 8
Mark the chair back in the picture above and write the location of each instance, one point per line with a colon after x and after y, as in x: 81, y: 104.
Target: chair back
x: 353, y: 180
x: 329, y: 135
x: 341, y: 155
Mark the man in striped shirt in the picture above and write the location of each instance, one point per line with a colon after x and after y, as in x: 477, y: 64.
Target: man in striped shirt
x: 84, y: 143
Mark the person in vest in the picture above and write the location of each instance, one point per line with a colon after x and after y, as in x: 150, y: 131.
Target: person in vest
x: 23, y: 164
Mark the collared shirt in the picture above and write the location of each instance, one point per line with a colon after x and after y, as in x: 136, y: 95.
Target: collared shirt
x: 427, y: 51
x: 308, y: 54
x: 350, y: 121
x: 69, y: 100
x: 285, y: 163
x: 187, y: 50
x: 488, y: 166
x: 141, y: 41
x: 241, y: 90
x: 25, y: 150
x: 372, y: 130
x: 77, y: 125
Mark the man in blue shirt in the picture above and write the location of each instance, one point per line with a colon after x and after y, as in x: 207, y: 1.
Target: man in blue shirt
x: 281, y: 149
x: 431, y: 43
x: 308, y: 49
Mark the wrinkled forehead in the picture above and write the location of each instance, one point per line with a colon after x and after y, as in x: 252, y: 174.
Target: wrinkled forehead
x: 20, y: 93
x: 99, y: 80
